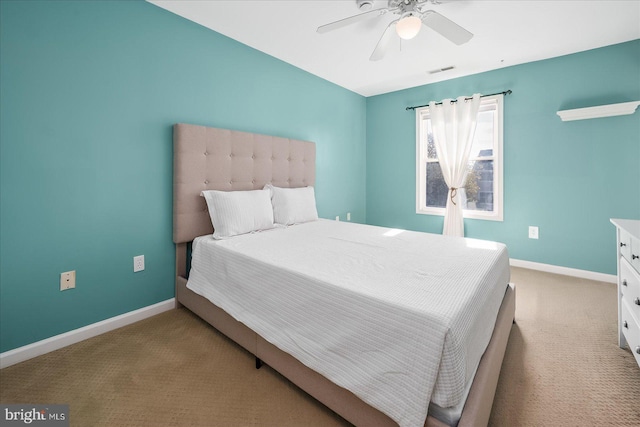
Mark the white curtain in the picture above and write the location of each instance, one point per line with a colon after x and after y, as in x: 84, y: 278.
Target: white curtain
x: 454, y: 125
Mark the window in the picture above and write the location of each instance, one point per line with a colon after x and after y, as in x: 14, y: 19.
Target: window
x: 482, y: 193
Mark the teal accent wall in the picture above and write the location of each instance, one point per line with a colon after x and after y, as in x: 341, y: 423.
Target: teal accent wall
x: 567, y: 178
x: 89, y: 94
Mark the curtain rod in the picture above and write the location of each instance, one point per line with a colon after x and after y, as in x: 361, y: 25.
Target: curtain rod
x: 506, y: 92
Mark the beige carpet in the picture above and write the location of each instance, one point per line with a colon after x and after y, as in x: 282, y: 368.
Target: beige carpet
x: 562, y: 368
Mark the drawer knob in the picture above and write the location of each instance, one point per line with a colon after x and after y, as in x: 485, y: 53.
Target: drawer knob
x: 634, y: 257
x: 624, y: 282
x: 638, y: 349
x: 625, y: 324
x: 622, y: 245
x: 637, y: 300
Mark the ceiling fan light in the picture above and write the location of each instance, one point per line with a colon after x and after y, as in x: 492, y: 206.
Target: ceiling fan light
x: 408, y: 27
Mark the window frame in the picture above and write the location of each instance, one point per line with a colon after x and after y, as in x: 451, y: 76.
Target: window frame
x: 422, y: 114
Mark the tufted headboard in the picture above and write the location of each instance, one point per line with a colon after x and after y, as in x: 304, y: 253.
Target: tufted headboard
x: 206, y: 158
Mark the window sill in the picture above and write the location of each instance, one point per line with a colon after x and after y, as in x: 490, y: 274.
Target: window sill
x: 465, y: 214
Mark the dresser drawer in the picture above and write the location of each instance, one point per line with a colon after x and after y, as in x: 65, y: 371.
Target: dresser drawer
x: 630, y: 286
x: 634, y: 257
x: 631, y: 330
x: 625, y: 244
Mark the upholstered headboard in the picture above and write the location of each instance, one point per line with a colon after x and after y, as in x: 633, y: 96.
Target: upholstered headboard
x: 206, y: 158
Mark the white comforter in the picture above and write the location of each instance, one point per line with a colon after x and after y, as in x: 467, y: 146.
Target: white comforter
x: 397, y: 317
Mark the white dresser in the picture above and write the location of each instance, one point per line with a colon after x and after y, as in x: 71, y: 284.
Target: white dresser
x: 628, y: 233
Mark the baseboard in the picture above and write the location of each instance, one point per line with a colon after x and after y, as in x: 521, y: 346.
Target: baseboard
x: 566, y: 271
x: 30, y: 351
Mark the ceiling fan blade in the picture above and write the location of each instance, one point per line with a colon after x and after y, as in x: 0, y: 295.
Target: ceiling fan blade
x: 351, y: 20
x: 383, y: 44
x: 446, y: 27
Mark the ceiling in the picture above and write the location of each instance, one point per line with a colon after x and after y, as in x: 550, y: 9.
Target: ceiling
x: 505, y: 32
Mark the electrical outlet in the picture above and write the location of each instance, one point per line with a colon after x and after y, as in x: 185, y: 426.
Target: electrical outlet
x: 138, y: 263
x: 348, y: 216
x: 337, y: 217
x: 533, y: 232
x: 67, y: 280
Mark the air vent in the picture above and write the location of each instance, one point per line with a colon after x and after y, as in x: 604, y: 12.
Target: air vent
x: 439, y: 70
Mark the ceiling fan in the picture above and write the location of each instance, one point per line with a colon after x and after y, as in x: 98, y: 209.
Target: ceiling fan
x: 412, y: 14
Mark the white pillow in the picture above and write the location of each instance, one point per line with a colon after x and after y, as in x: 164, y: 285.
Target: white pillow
x: 293, y: 205
x: 239, y: 212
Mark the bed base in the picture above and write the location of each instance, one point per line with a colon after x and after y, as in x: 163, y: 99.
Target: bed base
x: 477, y: 409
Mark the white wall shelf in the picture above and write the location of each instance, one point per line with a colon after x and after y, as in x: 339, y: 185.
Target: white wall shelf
x: 599, y: 111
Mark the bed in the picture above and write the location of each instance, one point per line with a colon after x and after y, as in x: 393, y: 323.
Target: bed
x: 218, y: 159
